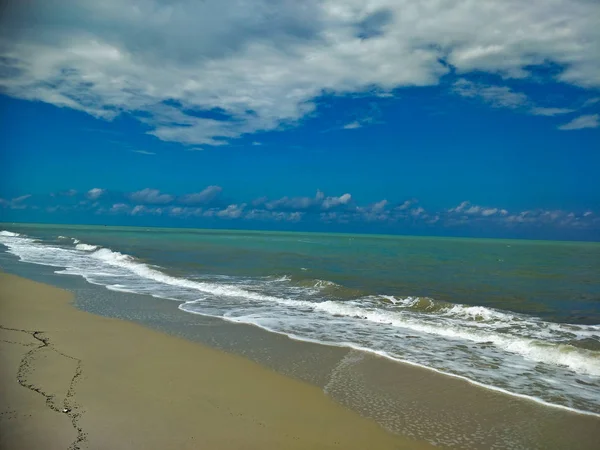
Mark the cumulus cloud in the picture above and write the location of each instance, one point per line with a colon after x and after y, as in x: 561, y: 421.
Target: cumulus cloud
x: 542, y: 217
x: 262, y: 214
x: 150, y: 196
x: 374, y: 212
x: 207, y: 195
x: 119, y: 208
x: 379, y: 206
x: 144, y: 210
x: 332, y: 202
x: 204, y: 73
x: 405, y: 205
x: 467, y: 208
x: 232, y: 211
x: 319, y: 201
x: 420, y: 211
x: 95, y: 193
x: 185, y: 211
x: 328, y: 209
x: 588, y: 121
x: 297, y: 203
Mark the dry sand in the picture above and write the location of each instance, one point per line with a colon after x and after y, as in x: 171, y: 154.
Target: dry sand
x: 70, y: 379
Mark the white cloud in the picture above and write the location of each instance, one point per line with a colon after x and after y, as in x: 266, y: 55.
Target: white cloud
x: 143, y: 152
x: 589, y: 121
x: 119, y: 208
x: 352, y: 125
x: 379, y: 206
x: 417, y: 212
x: 232, y: 211
x: 150, y: 196
x: 489, y: 212
x: 497, y: 96
x: 262, y: 63
x: 262, y: 214
x: 95, y: 193
x: 404, y: 206
x: 467, y: 208
x: 183, y: 212
x: 551, y: 218
x: 459, y: 208
x: 141, y: 209
x: 541, y: 111
x: 319, y: 201
x: 20, y: 199
x: 473, y: 210
x: 17, y: 202
x: 301, y: 203
x: 332, y: 202
x: 205, y: 196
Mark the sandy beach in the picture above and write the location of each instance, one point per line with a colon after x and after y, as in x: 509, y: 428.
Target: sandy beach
x: 71, y: 379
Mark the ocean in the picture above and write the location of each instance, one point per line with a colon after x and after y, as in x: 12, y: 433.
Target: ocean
x: 517, y: 317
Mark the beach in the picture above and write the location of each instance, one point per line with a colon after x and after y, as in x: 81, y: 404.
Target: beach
x: 71, y: 379
x: 379, y: 329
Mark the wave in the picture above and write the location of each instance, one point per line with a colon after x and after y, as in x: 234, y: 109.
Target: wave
x: 499, y: 349
x: 8, y: 234
x: 579, y: 360
x: 86, y: 247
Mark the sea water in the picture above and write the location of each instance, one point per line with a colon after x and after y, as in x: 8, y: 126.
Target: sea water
x: 518, y: 317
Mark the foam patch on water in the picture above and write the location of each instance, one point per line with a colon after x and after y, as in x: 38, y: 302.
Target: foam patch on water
x: 8, y: 234
x: 86, y: 247
x: 509, y: 352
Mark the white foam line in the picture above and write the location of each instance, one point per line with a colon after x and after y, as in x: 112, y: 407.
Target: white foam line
x: 403, y: 361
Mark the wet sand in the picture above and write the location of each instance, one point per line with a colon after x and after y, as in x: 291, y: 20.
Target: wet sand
x: 71, y: 379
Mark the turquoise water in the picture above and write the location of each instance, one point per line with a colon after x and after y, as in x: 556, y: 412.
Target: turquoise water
x: 518, y: 316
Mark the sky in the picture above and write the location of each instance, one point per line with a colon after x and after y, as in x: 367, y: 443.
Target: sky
x: 453, y: 118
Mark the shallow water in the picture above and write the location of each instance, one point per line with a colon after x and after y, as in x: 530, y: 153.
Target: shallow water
x: 519, y: 317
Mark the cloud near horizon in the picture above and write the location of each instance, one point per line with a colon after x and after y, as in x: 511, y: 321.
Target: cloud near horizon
x: 206, y: 73
x: 342, y: 209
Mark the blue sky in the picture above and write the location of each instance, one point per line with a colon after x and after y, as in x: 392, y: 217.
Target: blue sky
x: 467, y: 118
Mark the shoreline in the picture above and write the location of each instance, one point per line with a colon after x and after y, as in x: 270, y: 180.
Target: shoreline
x: 418, y: 366
x: 407, y: 401
x: 74, y: 379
